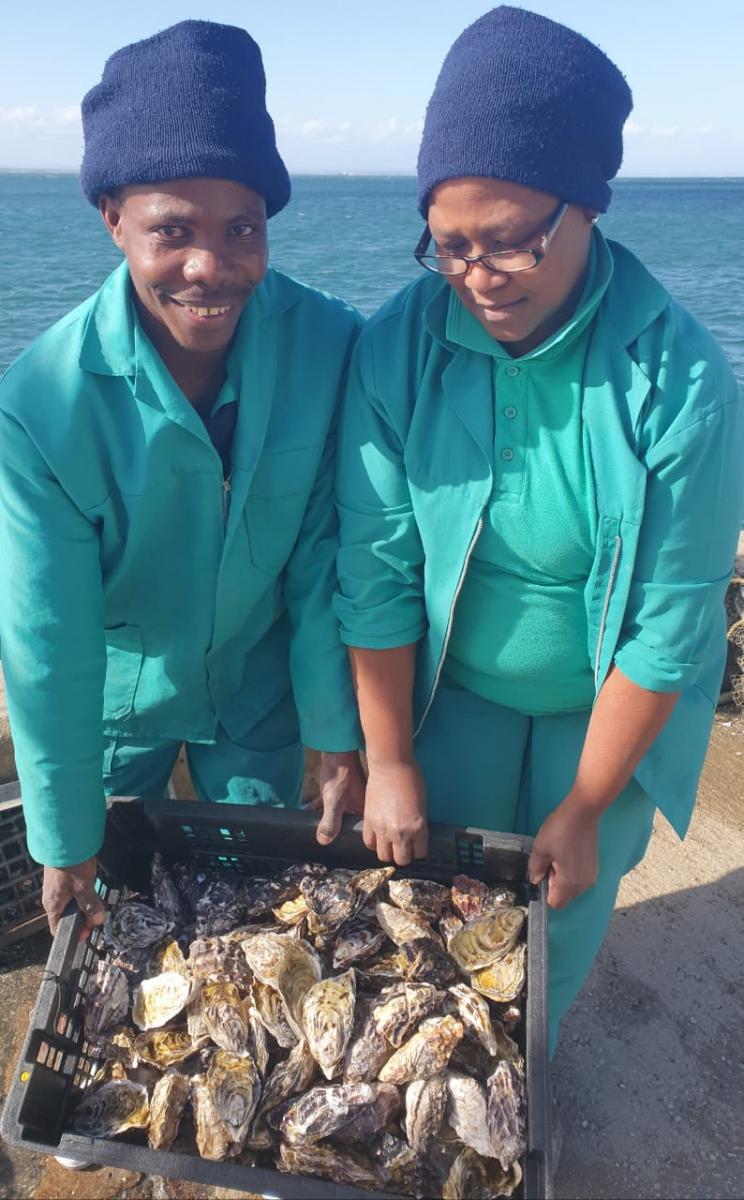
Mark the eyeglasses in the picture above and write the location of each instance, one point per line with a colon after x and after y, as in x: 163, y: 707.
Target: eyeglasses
x: 511, y: 261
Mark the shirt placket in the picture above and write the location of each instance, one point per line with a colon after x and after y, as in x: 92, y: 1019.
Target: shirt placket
x: 510, y: 392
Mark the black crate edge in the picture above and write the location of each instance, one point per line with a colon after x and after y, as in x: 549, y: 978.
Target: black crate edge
x: 21, y: 911
x: 506, y: 852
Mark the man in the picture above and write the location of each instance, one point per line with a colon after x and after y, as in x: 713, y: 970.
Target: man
x: 167, y: 530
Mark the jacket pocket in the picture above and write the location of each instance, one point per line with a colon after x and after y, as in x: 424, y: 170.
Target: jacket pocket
x: 276, y: 504
x: 124, y: 654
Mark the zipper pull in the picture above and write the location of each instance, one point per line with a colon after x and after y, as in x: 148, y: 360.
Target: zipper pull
x: 225, y: 498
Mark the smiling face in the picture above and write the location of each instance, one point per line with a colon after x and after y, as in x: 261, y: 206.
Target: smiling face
x: 472, y: 216
x: 196, y: 249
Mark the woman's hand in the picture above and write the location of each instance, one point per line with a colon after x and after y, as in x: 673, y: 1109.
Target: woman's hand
x: 565, y: 850
x: 395, y: 826
x: 341, y: 789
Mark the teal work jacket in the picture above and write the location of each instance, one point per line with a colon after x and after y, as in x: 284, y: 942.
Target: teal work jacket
x: 140, y: 597
x: 666, y: 433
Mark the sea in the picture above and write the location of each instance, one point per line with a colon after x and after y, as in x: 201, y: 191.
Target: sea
x: 354, y: 236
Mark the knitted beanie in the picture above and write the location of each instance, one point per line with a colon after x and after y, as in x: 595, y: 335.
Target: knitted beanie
x: 524, y: 99
x: 188, y: 102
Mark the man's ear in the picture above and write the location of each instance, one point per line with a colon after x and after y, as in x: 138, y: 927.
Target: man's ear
x: 110, y: 208
x: 591, y: 215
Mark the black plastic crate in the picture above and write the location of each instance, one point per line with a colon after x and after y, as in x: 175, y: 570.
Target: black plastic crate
x: 21, y: 912
x: 54, y: 1067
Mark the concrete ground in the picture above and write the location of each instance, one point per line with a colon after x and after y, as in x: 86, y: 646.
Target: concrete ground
x: 650, y: 1068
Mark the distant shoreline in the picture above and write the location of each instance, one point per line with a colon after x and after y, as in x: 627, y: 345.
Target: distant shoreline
x: 65, y: 171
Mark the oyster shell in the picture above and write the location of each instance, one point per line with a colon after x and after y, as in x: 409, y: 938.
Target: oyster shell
x: 112, y: 1109
x: 331, y: 900
x: 107, y: 999
x: 426, y: 1053
x: 168, y: 957
x: 449, y: 925
x: 357, y: 940
x: 165, y: 1048
x: 369, y: 881
x: 160, y: 999
x: 132, y: 926
x: 382, y: 969
x: 290, y: 1077
x: 346, y: 1167
x: 468, y: 1113
x: 503, y: 979
x: 220, y: 907
x: 400, y: 1009
x: 168, y: 1101
x: 472, y: 1175
x: 259, y: 896
x: 402, y: 926
x: 419, y: 896
x: 425, y: 959
x: 219, y: 959
x: 258, y: 1042
x: 165, y: 895
x: 212, y: 1139
x: 475, y: 1015
x: 272, y: 1013
x: 234, y: 1086
x: 225, y: 1017
x: 117, y: 1044
x: 507, y: 1112
x: 403, y: 1171
x: 327, y: 1019
x: 359, y: 1109
x: 368, y: 1048
x: 289, y: 966
x: 485, y: 938
x: 291, y: 912
x: 426, y: 1101
x: 472, y: 898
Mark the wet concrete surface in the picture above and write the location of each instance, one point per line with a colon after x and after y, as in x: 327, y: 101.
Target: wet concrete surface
x: 650, y: 1067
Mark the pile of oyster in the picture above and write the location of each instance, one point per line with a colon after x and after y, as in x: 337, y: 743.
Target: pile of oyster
x: 344, y: 1024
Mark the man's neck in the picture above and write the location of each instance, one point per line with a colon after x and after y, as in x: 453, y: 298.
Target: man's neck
x: 199, y: 376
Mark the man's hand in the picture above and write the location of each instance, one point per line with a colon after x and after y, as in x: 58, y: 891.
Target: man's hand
x: 395, y: 824
x: 341, y: 783
x: 565, y: 849
x: 63, y: 884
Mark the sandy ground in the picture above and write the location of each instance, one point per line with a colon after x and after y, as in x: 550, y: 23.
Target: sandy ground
x: 650, y: 1068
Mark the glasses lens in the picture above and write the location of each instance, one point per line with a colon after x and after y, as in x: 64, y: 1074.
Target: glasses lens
x: 442, y: 264
x: 511, y: 261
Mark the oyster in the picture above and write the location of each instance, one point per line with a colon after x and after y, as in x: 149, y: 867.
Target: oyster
x: 506, y: 1112
x: 164, y: 1048
x: 225, y: 1017
x: 288, y: 966
x: 331, y: 900
x: 117, y: 1044
x: 160, y: 999
x: 400, y: 1009
x: 402, y: 926
x: 401, y: 1168
x: 425, y: 959
x: 449, y: 925
x: 371, y: 879
x: 132, y: 926
x: 168, y: 1101
x: 220, y: 907
x: 327, y: 1018
x: 472, y: 898
x: 472, y: 1175
x: 112, y: 1109
x: 346, y: 1167
x: 471, y: 1058
x: 212, y: 1139
x: 510, y: 1015
x: 258, y: 1042
x: 234, y: 1086
x: 368, y: 1048
x: 219, y: 959
x: 290, y: 1077
x: 291, y: 912
x: 358, y: 1109
x: 485, y: 938
x: 426, y: 1053
x: 426, y: 1101
x: 382, y: 969
x: 419, y: 896
x: 107, y: 1000
x: 272, y: 1013
x: 503, y: 980
x: 165, y: 895
x: 475, y: 1015
x: 358, y: 939
x: 468, y: 1113
x: 168, y: 957
x: 259, y: 896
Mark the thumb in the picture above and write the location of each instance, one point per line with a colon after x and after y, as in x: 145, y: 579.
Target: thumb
x: 538, y: 865
x: 333, y: 811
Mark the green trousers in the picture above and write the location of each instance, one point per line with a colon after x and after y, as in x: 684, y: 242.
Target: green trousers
x: 493, y: 768
x: 265, y: 766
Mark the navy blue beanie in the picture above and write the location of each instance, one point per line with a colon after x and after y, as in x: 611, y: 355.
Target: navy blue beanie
x: 522, y: 98
x: 189, y: 102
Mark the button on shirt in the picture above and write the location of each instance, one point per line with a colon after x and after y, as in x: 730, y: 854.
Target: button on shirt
x: 519, y: 636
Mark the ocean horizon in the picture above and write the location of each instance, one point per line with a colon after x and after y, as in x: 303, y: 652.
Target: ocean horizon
x: 353, y: 235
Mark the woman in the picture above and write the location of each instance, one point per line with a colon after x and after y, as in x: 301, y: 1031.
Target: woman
x: 540, y: 487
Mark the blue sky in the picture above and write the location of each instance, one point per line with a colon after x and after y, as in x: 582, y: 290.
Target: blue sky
x: 349, y: 81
